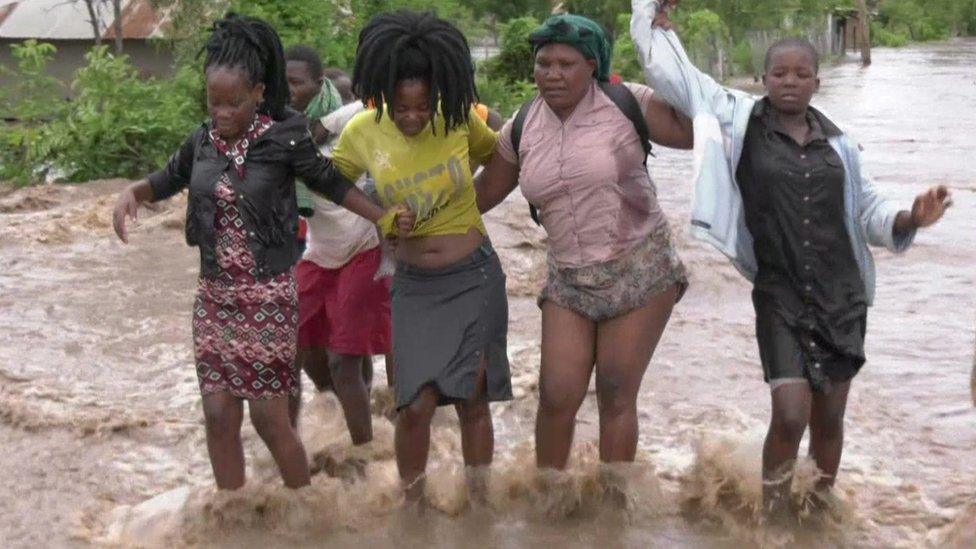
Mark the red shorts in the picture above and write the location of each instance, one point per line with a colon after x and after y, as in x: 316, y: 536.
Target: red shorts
x: 344, y: 310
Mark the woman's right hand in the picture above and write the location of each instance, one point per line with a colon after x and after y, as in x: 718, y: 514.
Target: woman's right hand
x: 126, y: 205
x: 663, y: 17
x: 397, y: 222
x: 405, y: 223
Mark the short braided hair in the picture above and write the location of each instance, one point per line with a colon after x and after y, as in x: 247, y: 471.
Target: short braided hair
x: 253, y: 46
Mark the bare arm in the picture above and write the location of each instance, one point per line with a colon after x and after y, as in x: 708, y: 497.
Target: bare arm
x: 497, y: 181
x: 669, y: 127
x: 358, y: 203
x: 160, y: 185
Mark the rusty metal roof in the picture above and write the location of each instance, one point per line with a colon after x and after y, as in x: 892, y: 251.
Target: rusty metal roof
x: 69, y: 20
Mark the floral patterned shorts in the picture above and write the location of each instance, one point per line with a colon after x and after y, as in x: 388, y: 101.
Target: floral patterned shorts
x: 611, y: 289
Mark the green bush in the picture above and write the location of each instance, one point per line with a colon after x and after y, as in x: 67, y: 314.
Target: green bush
x: 883, y: 37
x: 134, y: 124
x: 32, y: 97
x: 505, y: 97
x: 625, y: 60
x: 515, y: 61
x: 32, y: 94
x: 118, y: 125
x: 743, y: 58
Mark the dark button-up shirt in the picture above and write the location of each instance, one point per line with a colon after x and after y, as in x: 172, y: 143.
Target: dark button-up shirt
x: 266, y: 195
x: 793, y: 197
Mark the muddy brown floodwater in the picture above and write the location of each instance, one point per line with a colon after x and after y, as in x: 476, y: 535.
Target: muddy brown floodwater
x: 102, y: 424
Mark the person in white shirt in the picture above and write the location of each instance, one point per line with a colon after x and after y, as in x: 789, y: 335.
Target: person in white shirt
x: 344, y: 307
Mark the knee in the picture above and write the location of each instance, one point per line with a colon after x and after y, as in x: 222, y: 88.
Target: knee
x: 222, y: 423
x: 614, y: 396
x: 346, y: 371
x: 269, y: 427
x: 418, y: 413
x: 830, y: 424
x: 789, y: 424
x: 556, y: 400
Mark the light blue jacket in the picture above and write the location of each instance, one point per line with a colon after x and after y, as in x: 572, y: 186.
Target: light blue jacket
x: 721, y: 117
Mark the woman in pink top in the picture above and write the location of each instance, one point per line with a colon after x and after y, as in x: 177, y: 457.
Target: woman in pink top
x: 614, y: 275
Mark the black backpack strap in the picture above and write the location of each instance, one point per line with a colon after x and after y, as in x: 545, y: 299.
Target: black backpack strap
x: 517, y: 126
x: 621, y: 96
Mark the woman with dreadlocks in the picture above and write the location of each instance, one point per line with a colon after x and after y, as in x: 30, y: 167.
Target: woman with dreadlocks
x: 240, y: 169
x: 450, y: 311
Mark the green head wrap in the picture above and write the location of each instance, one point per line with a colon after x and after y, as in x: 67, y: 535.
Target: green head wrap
x: 324, y: 103
x: 579, y: 32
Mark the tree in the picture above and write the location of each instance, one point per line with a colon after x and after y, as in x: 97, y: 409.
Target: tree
x: 505, y: 11
x: 93, y: 18
x: 864, y: 29
x: 117, y: 25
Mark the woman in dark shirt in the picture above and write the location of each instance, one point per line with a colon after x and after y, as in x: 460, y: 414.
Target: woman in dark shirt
x: 810, y: 293
x: 240, y: 169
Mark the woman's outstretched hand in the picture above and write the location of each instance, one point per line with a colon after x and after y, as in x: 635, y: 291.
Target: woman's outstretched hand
x: 930, y: 206
x: 928, y: 209
x: 127, y: 205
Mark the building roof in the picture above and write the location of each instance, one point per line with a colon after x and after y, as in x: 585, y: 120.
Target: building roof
x: 69, y: 20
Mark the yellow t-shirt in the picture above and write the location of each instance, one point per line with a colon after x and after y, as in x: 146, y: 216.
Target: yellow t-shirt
x: 429, y: 173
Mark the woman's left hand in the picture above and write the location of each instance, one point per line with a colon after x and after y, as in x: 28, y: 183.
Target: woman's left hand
x: 930, y: 206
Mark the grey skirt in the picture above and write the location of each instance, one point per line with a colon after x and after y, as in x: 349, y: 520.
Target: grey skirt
x: 445, y: 321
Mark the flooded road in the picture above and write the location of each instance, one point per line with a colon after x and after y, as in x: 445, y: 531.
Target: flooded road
x: 100, y: 411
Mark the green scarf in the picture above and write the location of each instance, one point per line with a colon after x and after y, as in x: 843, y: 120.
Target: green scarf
x: 579, y: 32
x: 324, y: 103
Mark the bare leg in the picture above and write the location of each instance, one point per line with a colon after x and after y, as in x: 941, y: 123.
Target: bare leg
x: 477, y: 437
x: 623, y: 351
x: 224, y: 414
x: 827, y: 431
x: 368, y: 372
x: 315, y: 362
x: 390, y: 371
x: 568, y: 355
x: 273, y: 424
x: 477, y: 434
x: 295, y: 401
x: 412, y: 440
x: 791, y: 413
x: 349, y: 386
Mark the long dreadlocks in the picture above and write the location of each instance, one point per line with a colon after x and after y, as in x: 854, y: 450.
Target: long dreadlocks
x: 407, y: 45
x: 252, y: 46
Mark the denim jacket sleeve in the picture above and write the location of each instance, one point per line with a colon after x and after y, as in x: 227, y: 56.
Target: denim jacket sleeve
x: 877, y: 213
x: 318, y: 172
x: 175, y: 175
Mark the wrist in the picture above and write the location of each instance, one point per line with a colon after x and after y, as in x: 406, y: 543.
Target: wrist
x: 905, y: 222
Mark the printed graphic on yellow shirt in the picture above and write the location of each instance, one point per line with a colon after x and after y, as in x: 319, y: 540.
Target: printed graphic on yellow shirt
x: 426, y: 192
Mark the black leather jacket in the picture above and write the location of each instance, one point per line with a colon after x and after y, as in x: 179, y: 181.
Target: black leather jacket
x: 265, y: 198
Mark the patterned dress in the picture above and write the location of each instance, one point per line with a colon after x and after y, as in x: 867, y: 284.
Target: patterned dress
x: 244, y: 329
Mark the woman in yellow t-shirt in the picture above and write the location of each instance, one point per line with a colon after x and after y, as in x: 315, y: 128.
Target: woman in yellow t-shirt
x: 450, y: 311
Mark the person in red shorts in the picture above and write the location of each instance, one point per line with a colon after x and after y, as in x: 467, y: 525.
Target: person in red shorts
x: 344, y: 308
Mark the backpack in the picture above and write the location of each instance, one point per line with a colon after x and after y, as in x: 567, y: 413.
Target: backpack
x: 621, y: 96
